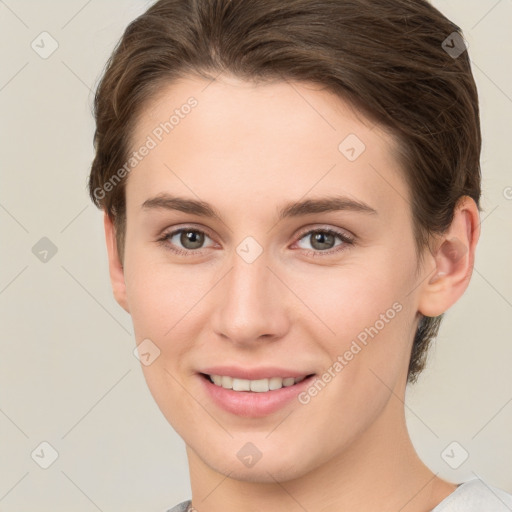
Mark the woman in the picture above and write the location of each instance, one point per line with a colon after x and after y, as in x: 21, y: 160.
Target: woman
x: 291, y: 196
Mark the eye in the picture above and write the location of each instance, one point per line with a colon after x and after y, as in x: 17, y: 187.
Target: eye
x: 189, y: 240
x: 324, y: 240
x: 186, y: 240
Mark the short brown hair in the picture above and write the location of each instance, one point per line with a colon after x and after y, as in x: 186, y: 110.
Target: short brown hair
x: 385, y: 57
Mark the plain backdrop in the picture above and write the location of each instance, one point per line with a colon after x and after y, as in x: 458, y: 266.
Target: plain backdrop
x: 68, y: 376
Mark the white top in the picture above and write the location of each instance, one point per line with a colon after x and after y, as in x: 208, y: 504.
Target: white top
x: 471, y: 496
x: 476, y: 496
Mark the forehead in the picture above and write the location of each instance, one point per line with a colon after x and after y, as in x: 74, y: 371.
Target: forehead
x: 243, y: 141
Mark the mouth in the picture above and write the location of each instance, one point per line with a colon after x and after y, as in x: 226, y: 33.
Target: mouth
x: 255, y: 385
x: 254, y: 397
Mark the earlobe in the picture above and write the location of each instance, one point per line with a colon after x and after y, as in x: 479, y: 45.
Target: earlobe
x: 114, y: 264
x: 452, y: 260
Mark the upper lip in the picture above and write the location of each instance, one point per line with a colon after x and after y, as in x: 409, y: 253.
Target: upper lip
x: 253, y: 373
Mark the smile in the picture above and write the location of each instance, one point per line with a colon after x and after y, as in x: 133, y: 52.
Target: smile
x: 253, y: 393
x: 257, y: 386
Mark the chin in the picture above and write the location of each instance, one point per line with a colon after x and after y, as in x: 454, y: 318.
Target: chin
x: 271, y: 466
x: 264, y: 473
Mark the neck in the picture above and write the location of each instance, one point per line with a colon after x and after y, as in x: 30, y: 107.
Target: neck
x: 379, y: 470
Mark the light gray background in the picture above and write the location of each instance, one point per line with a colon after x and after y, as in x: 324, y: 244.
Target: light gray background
x: 68, y: 375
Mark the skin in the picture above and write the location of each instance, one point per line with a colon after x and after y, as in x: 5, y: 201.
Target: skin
x: 247, y: 150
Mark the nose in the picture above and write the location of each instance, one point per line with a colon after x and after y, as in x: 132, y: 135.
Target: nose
x: 250, y: 305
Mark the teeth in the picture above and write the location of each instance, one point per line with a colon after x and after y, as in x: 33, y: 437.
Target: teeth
x: 275, y: 383
x: 226, y: 382
x: 241, y: 385
x: 257, y: 386
x: 217, y: 379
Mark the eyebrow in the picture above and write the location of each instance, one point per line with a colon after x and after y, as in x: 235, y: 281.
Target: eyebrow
x: 294, y: 209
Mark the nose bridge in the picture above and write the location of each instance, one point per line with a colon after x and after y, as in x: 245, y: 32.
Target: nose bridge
x: 249, y: 282
x: 249, y: 305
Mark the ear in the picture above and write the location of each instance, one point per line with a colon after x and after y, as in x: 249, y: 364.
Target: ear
x: 114, y: 264
x: 450, y: 264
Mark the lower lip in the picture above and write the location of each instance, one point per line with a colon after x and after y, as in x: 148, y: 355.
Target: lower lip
x: 251, y: 404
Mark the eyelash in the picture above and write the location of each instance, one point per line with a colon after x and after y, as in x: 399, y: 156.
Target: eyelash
x: 346, y: 241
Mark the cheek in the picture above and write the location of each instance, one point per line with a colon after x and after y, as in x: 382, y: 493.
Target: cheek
x: 160, y: 296
x: 361, y: 316
x: 366, y: 357
x: 163, y: 299
x: 354, y: 301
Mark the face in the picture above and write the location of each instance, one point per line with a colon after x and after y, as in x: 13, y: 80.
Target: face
x: 268, y: 250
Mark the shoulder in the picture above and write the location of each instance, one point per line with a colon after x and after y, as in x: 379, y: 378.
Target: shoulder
x: 474, y: 496
x: 182, y: 507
